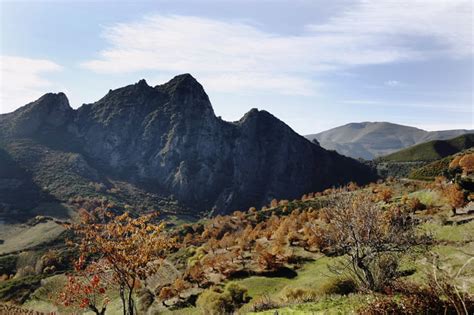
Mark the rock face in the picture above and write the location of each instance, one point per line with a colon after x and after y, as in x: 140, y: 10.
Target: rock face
x: 167, y: 140
x: 369, y: 140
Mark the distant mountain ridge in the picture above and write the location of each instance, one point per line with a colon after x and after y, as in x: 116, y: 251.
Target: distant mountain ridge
x: 148, y: 146
x: 368, y: 140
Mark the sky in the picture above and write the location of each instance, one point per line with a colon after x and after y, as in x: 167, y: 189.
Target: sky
x: 313, y: 64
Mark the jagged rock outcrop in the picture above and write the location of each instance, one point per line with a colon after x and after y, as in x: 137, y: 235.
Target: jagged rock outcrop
x: 167, y: 140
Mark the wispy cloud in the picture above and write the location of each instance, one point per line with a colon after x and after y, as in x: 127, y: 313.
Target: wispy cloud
x: 22, y: 80
x: 444, y: 25
x: 231, y: 56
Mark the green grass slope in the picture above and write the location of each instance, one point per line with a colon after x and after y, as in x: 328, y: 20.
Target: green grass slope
x: 437, y: 168
x: 432, y: 150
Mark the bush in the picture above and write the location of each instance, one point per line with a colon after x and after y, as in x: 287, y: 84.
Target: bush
x: 342, y: 286
x: 415, y: 204
x: 237, y: 293
x: 384, y: 195
x: 264, y: 303
x: 299, y: 295
x: 414, y: 299
x: 213, y: 301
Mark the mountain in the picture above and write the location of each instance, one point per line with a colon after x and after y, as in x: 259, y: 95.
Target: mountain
x: 432, y: 150
x: 404, y: 162
x: 369, y: 140
x: 159, y: 147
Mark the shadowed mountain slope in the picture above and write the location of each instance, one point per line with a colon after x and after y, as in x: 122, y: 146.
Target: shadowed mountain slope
x: 165, y: 143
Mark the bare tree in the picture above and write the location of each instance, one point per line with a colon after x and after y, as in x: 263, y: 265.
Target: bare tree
x: 371, y: 238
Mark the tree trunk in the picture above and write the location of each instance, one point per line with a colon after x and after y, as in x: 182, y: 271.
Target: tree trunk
x: 368, y: 275
x: 131, y: 304
x: 96, y: 311
x: 122, y: 297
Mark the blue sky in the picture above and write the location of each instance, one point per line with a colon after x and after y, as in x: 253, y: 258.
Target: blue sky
x: 313, y: 64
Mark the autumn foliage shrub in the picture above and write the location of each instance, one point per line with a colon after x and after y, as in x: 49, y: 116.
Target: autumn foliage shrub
x: 385, y: 195
x: 410, y: 298
x: 414, y: 204
x: 467, y: 163
x: 454, y: 195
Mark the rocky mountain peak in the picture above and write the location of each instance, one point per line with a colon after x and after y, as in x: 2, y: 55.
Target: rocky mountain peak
x: 50, y: 111
x: 184, y: 85
x: 48, y: 104
x: 142, y: 82
x: 186, y: 95
x: 167, y: 140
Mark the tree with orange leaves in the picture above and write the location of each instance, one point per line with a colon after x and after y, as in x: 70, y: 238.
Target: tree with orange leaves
x: 86, y: 290
x: 127, y: 248
x: 455, y: 196
x: 467, y: 163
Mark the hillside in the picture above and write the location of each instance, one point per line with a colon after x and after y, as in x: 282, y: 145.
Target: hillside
x: 369, y: 140
x: 439, y: 167
x: 432, y: 150
x: 406, y: 161
x: 281, y: 258
x: 159, y: 147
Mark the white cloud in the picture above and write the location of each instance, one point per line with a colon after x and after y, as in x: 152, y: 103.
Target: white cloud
x: 446, y: 24
x: 231, y: 56
x: 22, y: 80
x: 392, y: 83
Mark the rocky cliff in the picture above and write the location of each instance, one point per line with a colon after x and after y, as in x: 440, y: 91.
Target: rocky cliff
x: 166, y: 141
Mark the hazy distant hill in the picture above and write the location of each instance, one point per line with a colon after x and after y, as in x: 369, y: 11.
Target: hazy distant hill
x: 146, y: 146
x: 369, y: 140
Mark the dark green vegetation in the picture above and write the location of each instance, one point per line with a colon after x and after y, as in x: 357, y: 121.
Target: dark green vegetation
x: 146, y: 148
x: 437, y: 168
x: 432, y: 150
x: 423, y: 161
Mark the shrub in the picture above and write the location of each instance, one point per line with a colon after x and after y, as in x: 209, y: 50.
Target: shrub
x: 467, y: 163
x: 414, y: 204
x: 213, y: 303
x: 414, y: 299
x: 264, y: 303
x: 454, y: 195
x: 237, y: 293
x: 299, y: 295
x: 385, y: 195
x: 342, y: 286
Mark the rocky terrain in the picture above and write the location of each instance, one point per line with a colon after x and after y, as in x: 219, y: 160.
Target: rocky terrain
x: 154, y: 147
